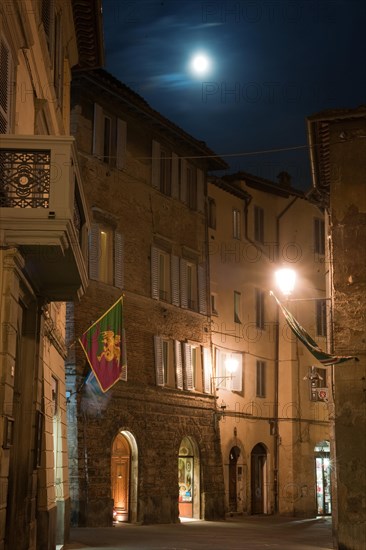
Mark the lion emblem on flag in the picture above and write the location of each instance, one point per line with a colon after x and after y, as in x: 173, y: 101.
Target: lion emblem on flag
x: 111, y: 346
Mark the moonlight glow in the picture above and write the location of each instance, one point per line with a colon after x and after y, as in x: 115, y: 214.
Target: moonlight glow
x: 200, y: 64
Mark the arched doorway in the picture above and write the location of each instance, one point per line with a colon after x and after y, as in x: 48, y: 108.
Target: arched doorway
x: 124, y: 477
x: 233, y: 478
x: 189, y: 479
x: 258, y: 479
x: 323, y: 481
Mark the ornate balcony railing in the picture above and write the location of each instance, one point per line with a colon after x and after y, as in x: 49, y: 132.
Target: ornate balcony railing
x: 24, y: 178
x: 43, y: 211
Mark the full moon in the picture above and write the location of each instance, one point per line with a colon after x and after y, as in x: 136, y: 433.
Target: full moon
x: 200, y: 64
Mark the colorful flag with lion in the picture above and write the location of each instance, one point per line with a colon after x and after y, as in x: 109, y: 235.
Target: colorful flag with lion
x: 104, y: 346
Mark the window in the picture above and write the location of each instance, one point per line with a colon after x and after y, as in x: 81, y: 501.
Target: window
x: 259, y: 309
x: 261, y: 379
x: 225, y: 378
x: 319, y: 236
x: 165, y: 172
x: 191, y: 286
x: 191, y: 187
x: 214, y: 304
x: 5, y: 90
x: 236, y: 224
x: 321, y: 318
x: 164, y: 361
x: 106, y: 255
x: 109, y: 138
x: 58, y: 60
x: 237, y: 307
x: 318, y: 384
x: 259, y: 224
x: 211, y: 213
x: 161, y: 275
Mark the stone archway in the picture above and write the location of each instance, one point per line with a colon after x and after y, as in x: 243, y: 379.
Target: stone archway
x: 189, y: 479
x: 124, y: 477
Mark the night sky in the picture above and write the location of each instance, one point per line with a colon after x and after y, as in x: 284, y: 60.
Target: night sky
x: 272, y: 64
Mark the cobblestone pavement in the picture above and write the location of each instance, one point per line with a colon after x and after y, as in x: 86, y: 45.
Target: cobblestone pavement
x: 248, y: 533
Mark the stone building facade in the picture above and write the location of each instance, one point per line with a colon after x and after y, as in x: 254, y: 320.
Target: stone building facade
x: 337, y: 143
x: 148, y: 450
x: 43, y: 232
x: 274, y: 426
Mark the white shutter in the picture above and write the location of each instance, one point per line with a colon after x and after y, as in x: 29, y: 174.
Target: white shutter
x: 207, y: 370
x: 121, y: 143
x: 237, y: 379
x: 155, y: 164
x: 154, y: 273
x: 118, y: 260
x: 98, y: 131
x: 175, y: 176
x: 183, y: 284
x: 183, y: 180
x: 94, y: 251
x: 4, y: 87
x: 178, y: 364
x: 159, y: 364
x: 200, y: 191
x: 202, y: 290
x: 188, y: 368
x: 174, y: 266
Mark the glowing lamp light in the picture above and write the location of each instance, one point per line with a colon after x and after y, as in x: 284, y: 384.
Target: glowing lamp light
x: 285, y: 280
x: 231, y: 364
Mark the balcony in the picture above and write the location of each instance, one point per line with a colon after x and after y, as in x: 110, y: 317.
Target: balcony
x: 43, y: 212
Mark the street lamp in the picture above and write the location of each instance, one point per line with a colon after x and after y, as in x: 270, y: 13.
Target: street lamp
x: 285, y: 280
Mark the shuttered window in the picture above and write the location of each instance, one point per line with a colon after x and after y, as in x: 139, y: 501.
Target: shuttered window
x: 188, y: 367
x: 109, y: 138
x: 178, y: 364
x: 236, y: 224
x: 261, y: 379
x: 207, y: 370
x: 160, y: 275
x: 5, y: 78
x: 229, y: 370
x: 259, y: 224
x: 106, y: 255
x: 202, y: 290
x: 319, y: 236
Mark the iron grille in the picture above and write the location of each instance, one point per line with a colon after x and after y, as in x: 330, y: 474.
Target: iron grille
x: 24, y: 178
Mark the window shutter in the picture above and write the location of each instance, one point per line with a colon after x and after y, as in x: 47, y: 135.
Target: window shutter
x: 183, y: 180
x: 121, y: 143
x: 202, y: 290
x: 98, y: 131
x: 155, y: 165
x: 159, y: 365
x: 94, y: 251
x: 174, y: 266
x: 200, y: 191
x: 178, y: 364
x: 175, y: 176
x: 236, y: 381
x: 4, y: 87
x: 154, y: 273
x: 207, y: 370
x: 183, y: 284
x: 118, y: 260
x: 188, y: 370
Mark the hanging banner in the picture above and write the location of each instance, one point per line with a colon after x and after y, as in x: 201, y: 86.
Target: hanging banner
x: 324, y: 358
x: 105, y: 348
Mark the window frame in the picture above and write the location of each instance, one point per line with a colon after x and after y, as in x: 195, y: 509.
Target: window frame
x: 260, y: 309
